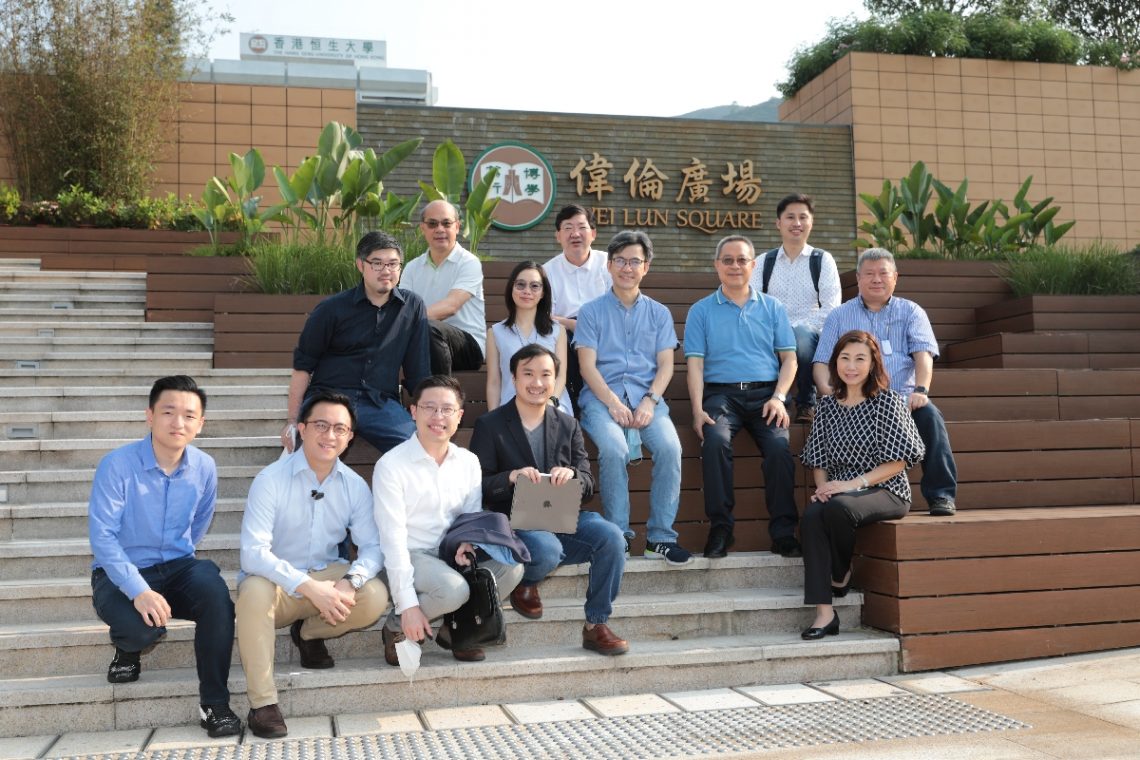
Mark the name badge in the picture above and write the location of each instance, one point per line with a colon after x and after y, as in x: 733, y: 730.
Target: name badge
x: 887, y: 347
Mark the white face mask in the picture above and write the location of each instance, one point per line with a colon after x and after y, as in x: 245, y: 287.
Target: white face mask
x: 408, y: 653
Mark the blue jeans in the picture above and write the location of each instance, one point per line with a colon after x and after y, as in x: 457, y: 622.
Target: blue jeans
x: 383, y: 426
x: 194, y: 589
x: 939, y: 473
x: 597, y: 541
x: 806, y: 341
x: 660, y: 437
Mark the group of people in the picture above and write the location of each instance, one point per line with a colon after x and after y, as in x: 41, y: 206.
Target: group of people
x: 581, y: 341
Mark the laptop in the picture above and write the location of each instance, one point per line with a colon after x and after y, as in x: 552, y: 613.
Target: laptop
x: 542, y: 506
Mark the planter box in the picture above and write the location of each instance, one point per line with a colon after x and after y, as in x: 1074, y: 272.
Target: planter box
x: 1061, y: 313
x: 182, y: 288
x: 255, y: 330
x: 93, y: 249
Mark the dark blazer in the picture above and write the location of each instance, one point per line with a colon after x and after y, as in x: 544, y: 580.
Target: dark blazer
x: 501, y: 445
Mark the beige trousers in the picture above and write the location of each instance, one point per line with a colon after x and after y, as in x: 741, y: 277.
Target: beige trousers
x: 263, y: 607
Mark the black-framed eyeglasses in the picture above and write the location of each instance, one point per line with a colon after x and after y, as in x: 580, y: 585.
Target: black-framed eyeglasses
x: 382, y: 266
x: 621, y: 262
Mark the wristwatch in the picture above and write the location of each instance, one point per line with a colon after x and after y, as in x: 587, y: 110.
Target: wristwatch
x: 921, y: 389
x: 781, y: 397
x: 356, y: 581
x: 655, y: 396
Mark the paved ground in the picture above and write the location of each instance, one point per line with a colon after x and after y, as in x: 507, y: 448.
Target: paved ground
x: 1067, y: 707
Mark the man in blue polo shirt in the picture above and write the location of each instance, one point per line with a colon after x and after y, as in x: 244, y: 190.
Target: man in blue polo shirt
x: 625, y: 342
x: 909, y: 349
x: 741, y: 355
x: 151, y: 503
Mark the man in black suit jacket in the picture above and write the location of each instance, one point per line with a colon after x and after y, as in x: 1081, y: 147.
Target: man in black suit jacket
x: 511, y: 443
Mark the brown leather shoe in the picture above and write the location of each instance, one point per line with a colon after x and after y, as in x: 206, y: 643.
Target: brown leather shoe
x: 314, y: 653
x: 602, y: 640
x: 469, y: 655
x: 267, y: 722
x: 391, y: 639
x: 526, y: 601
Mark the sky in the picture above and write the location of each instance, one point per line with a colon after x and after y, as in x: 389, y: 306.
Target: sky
x: 643, y: 58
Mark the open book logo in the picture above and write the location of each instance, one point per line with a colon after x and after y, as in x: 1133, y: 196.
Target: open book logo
x: 524, y: 184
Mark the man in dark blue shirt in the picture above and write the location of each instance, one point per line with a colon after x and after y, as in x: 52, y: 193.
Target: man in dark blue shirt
x: 356, y: 343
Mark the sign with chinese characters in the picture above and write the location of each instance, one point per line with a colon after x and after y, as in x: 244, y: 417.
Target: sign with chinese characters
x: 694, y: 184
x: 525, y: 184
x: 286, y: 47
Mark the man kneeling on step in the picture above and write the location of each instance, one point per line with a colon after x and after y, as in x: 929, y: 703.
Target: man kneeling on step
x: 300, y: 509
x: 512, y: 442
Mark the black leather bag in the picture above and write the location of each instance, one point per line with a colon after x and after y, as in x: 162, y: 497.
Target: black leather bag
x: 479, y: 622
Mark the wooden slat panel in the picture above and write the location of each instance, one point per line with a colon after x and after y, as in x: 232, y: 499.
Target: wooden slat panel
x: 1039, y: 493
x: 1042, y: 465
x: 1029, y: 435
x: 957, y: 649
x: 1007, y: 574
x: 982, y: 382
x: 1119, y: 382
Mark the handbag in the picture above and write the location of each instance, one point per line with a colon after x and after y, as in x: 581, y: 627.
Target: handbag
x: 479, y: 621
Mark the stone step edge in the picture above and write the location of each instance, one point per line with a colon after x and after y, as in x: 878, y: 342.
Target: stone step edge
x: 437, y: 665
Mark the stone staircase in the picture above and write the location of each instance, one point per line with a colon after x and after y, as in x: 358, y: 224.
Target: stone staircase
x: 76, y: 364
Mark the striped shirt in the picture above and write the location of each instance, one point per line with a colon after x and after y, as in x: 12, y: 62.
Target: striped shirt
x: 901, y: 327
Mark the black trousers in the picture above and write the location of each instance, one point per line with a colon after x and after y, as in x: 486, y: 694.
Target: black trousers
x: 452, y: 350
x: 574, y: 381
x: 827, y: 534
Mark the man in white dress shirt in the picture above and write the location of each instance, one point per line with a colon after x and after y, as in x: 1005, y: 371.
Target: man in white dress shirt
x: 419, y: 488
x: 577, y: 275
x: 804, y: 279
x: 300, y: 508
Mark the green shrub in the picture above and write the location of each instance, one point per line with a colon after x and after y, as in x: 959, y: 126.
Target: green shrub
x: 300, y: 268
x: 1094, y: 269
x: 167, y: 213
x: 9, y: 203
x: 82, y: 208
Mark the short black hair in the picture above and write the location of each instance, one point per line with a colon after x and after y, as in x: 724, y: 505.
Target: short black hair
x: 626, y: 238
x: 183, y: 383
x: 438, y: 381
x: 571, y: 211
x: 788, y: 200
x: 532, y: 351
x: 327, y: 397
x: 377, y: 240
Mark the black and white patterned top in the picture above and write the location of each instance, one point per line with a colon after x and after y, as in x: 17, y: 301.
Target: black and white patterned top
x: 852, y: 441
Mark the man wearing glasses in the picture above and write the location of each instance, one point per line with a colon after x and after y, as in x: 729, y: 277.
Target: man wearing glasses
x: 625, y: 342
x: 357, y: 341
x: 450, y: 280
x: 577, y: 275
x: 299, y: 510
x: 741, y: 356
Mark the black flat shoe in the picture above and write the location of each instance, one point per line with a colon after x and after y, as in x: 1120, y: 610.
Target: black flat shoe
x: 838, y: 592
x: 831, y: 629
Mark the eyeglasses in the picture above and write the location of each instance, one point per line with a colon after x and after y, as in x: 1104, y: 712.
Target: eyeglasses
x: 523, y: 286
x: 581, y: 228
x: 740, y: 261
x: 621, y: 262
x: 432, y: 410
x: 382, y: 266
x: 340, y: 430
x: 445, y: 223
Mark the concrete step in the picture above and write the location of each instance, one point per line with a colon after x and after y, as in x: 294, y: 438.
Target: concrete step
x: 28, y: 270
x: 59, y: 520
x: 220, y: 423
x: 250, y: 395
x: 167, y: 362
x: 63, y: 301
x: 38, y: 600
x: 169, y: 697
x: 46, y: 454
x: 91, y: 331
x: 12, y: 313
x: 144, y: 346
x: 52, y: 289
x: 57, y: 485
x: 68, y: 378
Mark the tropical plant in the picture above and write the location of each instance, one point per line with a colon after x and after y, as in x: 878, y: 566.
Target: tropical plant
x: 218, y: 208
x: 448, y: 173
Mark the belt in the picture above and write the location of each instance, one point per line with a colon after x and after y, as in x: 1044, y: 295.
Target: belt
x: 750, y: 386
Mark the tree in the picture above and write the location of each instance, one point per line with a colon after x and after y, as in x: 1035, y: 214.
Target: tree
x: 1015, y: 9
x: 1101, y: 21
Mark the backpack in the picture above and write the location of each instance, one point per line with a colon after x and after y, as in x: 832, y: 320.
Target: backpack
x: 815, y: 265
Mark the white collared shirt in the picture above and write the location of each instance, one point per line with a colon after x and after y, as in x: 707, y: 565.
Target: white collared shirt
x: 285, y: 532
x: 571, y: 286
x: 415, y: 501
x: 461, y: 270
x: 791, y: 285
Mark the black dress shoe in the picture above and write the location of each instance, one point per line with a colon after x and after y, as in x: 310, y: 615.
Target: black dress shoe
x: 943, y: 508
x: 314, y: 653
x: 838, y: 592
x: 787, y: 546
x: 831, y: 629
x: 720, y: 541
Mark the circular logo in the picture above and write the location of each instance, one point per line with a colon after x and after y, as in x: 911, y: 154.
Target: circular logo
x: 258, y: 44
x: 524, y: 184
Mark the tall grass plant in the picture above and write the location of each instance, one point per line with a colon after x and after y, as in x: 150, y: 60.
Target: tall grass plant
x: 302, y: 267
x: 1095, y: 269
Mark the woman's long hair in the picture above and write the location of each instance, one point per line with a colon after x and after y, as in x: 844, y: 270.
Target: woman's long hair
x: 542, y: 319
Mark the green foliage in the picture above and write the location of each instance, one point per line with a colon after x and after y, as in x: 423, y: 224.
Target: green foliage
x: 82, y: 208
x: 299, y: 268
x: 9, y: 203
x: 953, y: 228
x: 448, y: 172
x: 1093, y: 269
x: 1104, y: 21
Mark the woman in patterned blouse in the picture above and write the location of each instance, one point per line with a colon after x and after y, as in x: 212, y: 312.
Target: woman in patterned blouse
x: 861, y: 443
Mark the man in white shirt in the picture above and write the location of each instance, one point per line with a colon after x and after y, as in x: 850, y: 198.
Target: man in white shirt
x: 804, y: 279
x: 450, y: 280
x: 300, y: 508
x: 577, y: 275
x: 419, y: 488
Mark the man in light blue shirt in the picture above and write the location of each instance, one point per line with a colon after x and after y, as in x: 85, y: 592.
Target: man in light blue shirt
x: 151, y: 503
x: 300, y: 509
x: 625, y: 342
x: 741, y: 355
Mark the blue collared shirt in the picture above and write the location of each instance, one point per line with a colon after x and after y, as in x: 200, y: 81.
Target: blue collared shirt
x: 627, y: 342
x: 738, y: 345
x: 139, y: 516
x: 901, y: 327
x: 285, y: 532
